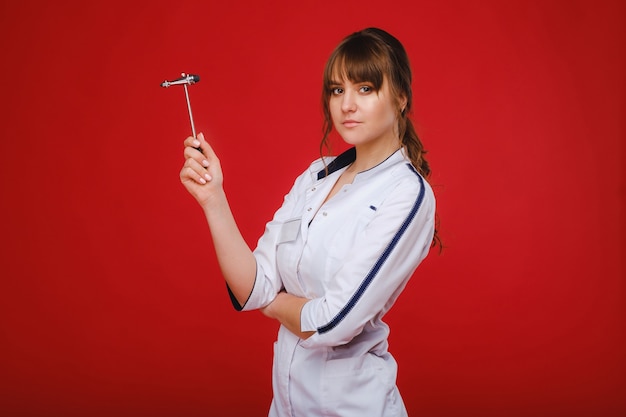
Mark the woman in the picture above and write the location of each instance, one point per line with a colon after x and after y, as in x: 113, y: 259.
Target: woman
x: 342, y: 247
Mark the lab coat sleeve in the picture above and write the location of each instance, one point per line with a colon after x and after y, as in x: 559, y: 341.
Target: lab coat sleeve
x: 267, y: 282
x: 377, y: 267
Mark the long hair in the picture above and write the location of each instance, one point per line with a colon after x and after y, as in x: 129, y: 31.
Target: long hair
x: 371, y: 55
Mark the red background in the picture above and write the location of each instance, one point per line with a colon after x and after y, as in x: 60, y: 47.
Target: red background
x: 110, y: 300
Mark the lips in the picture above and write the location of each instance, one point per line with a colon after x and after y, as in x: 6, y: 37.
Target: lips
x: 350, y: 123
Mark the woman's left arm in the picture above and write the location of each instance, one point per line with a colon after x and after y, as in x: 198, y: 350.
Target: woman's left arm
x: 376, y: 267
x: 405, y: 214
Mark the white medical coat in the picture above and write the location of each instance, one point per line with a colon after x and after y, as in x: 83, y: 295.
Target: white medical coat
x: 351, y: 256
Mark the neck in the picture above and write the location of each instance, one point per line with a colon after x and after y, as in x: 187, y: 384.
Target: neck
x: 370, y: 155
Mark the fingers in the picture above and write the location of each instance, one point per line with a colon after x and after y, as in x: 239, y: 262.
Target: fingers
x: 194, y: 171
x: 201, y: 163
x: 194, y: 153
x: 200, y: 145
x: 192, y: 143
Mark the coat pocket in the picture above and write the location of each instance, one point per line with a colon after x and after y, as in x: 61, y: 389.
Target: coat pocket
x: 360, y: 386
x: 289, y: 231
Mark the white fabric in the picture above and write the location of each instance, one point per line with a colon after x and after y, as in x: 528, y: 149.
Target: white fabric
x: 351, y: 256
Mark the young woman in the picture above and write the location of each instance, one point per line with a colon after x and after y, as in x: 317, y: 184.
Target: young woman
x: 342, y: 247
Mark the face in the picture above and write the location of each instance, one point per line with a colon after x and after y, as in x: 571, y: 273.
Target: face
x: 363, y: 116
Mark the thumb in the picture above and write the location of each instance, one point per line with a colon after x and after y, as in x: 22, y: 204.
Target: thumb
x: 205, y: 148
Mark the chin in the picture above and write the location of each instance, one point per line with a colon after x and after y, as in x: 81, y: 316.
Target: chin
x: 351, y: 139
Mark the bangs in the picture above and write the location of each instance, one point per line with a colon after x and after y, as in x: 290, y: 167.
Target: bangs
x: 358, y: 60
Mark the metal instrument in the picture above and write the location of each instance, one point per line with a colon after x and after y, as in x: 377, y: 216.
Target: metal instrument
x: 185, y: 80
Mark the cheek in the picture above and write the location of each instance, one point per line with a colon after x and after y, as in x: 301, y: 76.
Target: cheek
x: 387, y: 114
x: 335, y: 109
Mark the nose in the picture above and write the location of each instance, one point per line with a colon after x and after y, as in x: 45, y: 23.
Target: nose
x: 348, y: 103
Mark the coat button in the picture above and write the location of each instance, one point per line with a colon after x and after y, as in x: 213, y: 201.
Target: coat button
x: 325, y: 214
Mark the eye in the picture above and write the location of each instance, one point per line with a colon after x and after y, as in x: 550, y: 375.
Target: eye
x: 365, y: 89
x: 336, y: 91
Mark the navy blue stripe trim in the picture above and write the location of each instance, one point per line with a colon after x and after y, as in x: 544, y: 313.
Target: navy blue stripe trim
x: 344, y: 159
x: 379, y: 263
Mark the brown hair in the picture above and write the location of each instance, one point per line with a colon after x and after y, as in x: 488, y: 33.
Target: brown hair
x: 372, y: 55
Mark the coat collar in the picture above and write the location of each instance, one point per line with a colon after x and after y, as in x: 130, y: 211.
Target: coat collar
x: 341, y: 161
x: 346, y: 158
